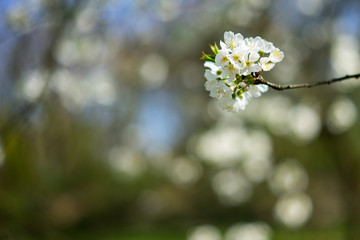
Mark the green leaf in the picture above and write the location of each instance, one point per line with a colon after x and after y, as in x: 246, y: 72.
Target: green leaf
x: 214, y: 48
x: 206, y: 57
x: 249, y: 79
x: 238, y: 79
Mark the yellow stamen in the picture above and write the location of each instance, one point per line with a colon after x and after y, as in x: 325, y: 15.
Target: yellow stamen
x: 232, y: 44
x: 224, y: 59
x: 277, y: 54
x: 251, y: 44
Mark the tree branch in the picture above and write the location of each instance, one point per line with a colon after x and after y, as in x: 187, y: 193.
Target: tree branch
x: 260, y: 80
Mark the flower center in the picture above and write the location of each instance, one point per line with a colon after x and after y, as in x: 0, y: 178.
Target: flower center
x: 231, y: 68
x: 277, y: 54
x: 224, y: 59
x: 231, y: 44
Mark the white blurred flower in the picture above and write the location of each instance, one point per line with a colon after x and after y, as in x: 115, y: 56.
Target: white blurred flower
x: 33, y: 85
x: 2, y: 155
x: 204, y: 232
x: 341, y: 116
x: 227, y: 146
x: 304, y: 123
x: 249, y: 231
x: 345, y: 47
x: 257, y: 169
x: 310, y: 7
x: 294, y: 210
x: 184, y: 171
x: 101, y: 88
x: 126, y: 161
x: 231, y: 187
x: 222, y: 146
x: 288, y: 176
x: 154, y: 70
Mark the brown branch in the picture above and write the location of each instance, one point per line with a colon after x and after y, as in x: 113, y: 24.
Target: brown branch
x: 260, y: 80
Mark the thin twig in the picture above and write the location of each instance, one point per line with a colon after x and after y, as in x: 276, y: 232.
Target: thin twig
x: 260, y: 80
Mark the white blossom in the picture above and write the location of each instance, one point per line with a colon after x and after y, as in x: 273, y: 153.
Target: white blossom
x: 255, y: 44
x: 211, y: 80
x: 266, y: 64
x: 250, y: 59
x: 236, y: 58
x: 219, y: 89
x: 257, y: 90
x: 231, y: 75
x: 222, y: 58
x: 226, y: 101
x: 240, y: 104
x: 268, y: 47
x: 276, y: 55
x: 212, y: 66
x: 231, y: 40
x: 230, y: 71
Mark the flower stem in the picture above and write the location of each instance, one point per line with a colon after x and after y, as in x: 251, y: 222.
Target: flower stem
x: 260, y: 80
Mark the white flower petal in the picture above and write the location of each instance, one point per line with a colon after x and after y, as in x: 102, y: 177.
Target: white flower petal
x: 223, y: 45
x: 213, y: 67
x: 238, y: 37
x: 230, y: 71
x: 253, y: 56
x: 210, y: 84
x: 262, y: 87
x: 228, y: 36
x: 276, y: 55
x: 268, y: 47
x: 232, y: 40
x: 255, y: 68
x: 252, y: 44
x: 260, y: 43
x: 222, y: 58
x: 209, y: 75
x: 266, y: 64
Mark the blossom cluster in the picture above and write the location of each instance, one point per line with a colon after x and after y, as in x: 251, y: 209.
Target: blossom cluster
x: 232, y: 70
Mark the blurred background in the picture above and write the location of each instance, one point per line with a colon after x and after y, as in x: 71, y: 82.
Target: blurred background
x: 107, y: 132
